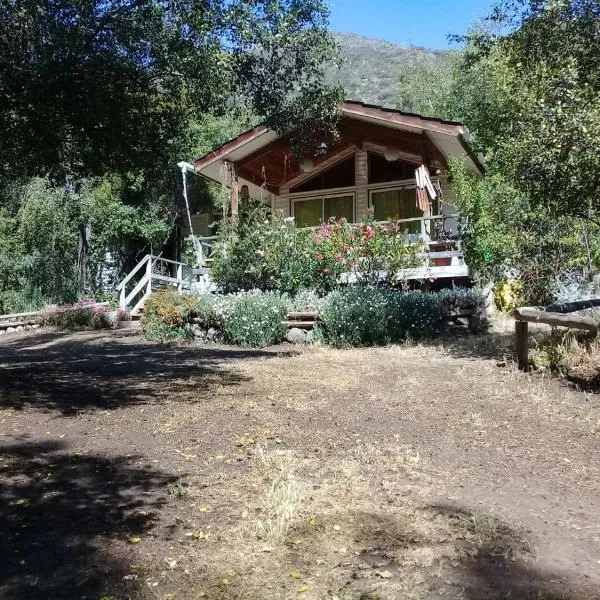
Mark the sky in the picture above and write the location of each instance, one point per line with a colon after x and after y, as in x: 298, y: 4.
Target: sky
x: 411, y: 22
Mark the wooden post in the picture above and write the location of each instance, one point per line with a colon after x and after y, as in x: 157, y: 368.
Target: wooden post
x: 149, y: 275
x: 122, y: 303
x: 179, y: 277
x: 522, y: 344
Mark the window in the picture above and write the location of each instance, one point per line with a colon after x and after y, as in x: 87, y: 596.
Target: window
x: 338, y: 176
x: 382, y: 171
x: 310, y: 212
x: 397, y: 204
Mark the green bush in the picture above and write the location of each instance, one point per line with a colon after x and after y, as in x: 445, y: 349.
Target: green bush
x: 269, y: 252
x: 255, y: 320
x: 369, y: 316
x: 167, y: 315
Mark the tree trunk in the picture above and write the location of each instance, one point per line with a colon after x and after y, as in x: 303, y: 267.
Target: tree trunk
x: 85, y: 234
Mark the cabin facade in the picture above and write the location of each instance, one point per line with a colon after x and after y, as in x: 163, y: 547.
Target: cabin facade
x: 371, y: 166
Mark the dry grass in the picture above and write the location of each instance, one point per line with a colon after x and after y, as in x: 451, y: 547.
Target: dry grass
x: 383, y: 473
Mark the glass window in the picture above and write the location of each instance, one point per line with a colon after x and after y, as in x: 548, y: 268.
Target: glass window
x: 308, y: 213
x: 397, y: 204
x: 313, y: 211
x: 339, y: 175
x: 340, y: 207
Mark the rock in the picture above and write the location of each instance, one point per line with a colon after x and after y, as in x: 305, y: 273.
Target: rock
x: 112, y: 316
x: 310, y: 336
x: 35, y: 326
x: 10, y: 330
x: 296, y: 336
x: 2, y: 331
x: 211, y: 334
x: 198, y: 331
x: 19, y: 327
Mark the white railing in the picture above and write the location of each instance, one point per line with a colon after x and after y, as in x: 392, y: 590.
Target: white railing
x: 133, y: 292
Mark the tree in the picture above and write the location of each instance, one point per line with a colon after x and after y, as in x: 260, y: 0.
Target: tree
x: 95, y: 86
x: 540, y: 125
x: 425, y: 84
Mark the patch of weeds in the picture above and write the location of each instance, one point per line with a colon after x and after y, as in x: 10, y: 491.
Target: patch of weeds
x: 559, y: 351
x: 178, y: 491
x: 282, y: 498
x: 484, y: 526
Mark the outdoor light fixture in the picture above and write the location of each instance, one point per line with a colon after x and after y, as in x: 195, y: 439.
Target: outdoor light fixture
x: 321, y: 150
x: 306, y: 165
x: 391, y: 154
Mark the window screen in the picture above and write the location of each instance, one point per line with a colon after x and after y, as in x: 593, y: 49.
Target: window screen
x: 340, y: 207
x: 397, y: 204
x: 308, y: 213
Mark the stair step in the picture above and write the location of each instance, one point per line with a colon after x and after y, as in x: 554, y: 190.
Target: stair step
x: 300, y: 324
x: 304, y: 314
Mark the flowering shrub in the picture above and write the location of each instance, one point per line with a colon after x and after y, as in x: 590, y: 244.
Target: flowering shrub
x: 167, y: 315
x: 84, y: 313
x: 368, y: 316
x: 369, y: 252
x: 271, y: 253
x: 255, y: 320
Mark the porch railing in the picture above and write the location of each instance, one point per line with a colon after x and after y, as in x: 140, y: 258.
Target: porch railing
x: 142, y: 279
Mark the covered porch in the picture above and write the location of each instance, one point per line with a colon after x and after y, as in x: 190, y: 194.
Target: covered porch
x: 372, y: 166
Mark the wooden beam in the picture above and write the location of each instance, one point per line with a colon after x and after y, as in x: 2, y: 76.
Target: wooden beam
x: 534, y: 315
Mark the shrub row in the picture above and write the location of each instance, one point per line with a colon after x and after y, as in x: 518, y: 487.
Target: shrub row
x: 364, y: 316
x: 355, y: 316
x: 249, y: 319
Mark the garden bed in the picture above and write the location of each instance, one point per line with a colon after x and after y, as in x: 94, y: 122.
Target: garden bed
x: 349, y: 316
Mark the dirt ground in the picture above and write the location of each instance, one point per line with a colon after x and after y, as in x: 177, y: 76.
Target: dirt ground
x: 132, y: 470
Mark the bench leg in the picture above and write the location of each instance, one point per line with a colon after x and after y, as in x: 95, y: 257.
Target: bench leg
x: 522, y: 344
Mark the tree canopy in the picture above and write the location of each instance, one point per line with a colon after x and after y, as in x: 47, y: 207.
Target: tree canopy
x: 95, y: 86
x: 537, y: 113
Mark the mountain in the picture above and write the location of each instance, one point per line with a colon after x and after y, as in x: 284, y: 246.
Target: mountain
x: 372, y: 67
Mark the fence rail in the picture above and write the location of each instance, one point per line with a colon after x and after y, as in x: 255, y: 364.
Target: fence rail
x: 530, y: 314
x: 142, y: 288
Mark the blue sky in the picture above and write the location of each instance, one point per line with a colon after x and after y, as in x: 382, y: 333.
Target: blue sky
x: 411, y: 22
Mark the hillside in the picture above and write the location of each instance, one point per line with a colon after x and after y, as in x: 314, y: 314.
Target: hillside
x: 372, y: 67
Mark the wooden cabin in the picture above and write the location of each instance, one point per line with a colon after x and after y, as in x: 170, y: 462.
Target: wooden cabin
x: 371, y: 165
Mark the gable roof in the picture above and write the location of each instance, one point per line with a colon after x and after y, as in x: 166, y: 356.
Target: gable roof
x: 450, y: 138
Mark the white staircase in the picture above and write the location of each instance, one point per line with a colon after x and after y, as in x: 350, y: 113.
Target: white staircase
x: 149, y: 275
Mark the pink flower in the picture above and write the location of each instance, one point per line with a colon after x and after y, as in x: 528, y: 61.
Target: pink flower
x: 319, y: 257
x: 325, y: 231
x: 368, y: 233
x: 339, y: 258
x: 345, y: 248
x: 327, y: 271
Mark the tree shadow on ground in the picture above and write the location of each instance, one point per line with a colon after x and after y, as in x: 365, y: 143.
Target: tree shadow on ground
x: 460, y: 343
x: 59, y: 511
x: 489, y: 560
x: 71, y: 373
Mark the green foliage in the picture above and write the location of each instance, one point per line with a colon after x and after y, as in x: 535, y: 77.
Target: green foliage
x: 167, y: 315
x: 367, y: 316
x: 85, y: 313
x: 111, y: 86
x: 546, y: 108
x: 426, y: 84
x: 255, y: 320
x: 504, y: 230
x: 271, y: 253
